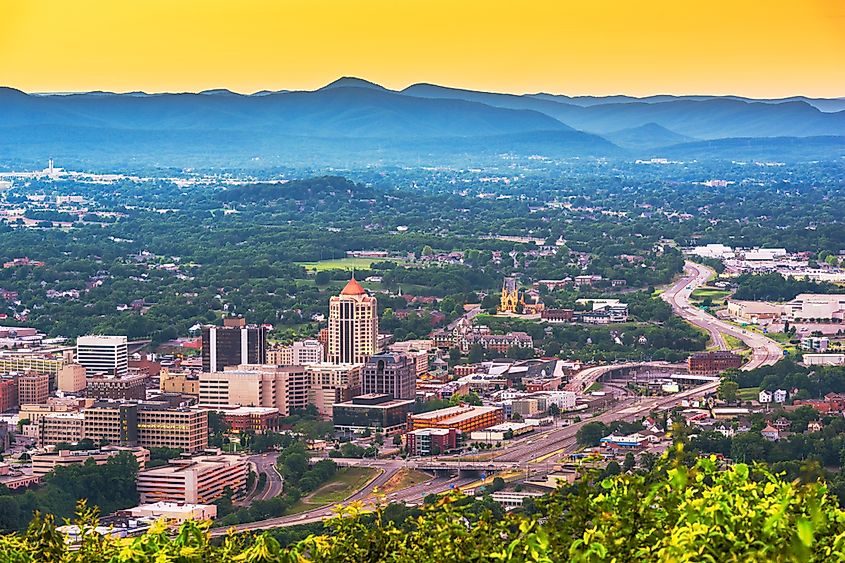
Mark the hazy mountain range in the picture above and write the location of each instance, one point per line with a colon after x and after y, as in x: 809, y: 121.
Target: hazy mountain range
x: 352, y: 120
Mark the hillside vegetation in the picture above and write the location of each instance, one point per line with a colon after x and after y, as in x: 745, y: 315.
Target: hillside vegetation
x: 673, y: 513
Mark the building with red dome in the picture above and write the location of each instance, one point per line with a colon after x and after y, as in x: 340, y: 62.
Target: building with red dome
x: 353, y: 325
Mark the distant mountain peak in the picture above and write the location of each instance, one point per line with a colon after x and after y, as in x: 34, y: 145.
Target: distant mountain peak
x: 219, y: 92
x: 353, y: 82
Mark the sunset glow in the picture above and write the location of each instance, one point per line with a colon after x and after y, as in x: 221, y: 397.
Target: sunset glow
x: 754, y: 48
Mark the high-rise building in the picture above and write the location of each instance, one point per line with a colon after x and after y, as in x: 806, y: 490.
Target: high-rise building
x: 107, y: 355
x: 8, y: 394
x: 71, y: 378
x: 233, y: 344
x: 390, y: 374
x: 283, y: 387
x: 353, y: 325
x: 33, y: 388
x: 332, y: 383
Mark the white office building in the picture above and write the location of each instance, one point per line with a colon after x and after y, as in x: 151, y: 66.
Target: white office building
x: 103, y: 354
x: 308, y: 352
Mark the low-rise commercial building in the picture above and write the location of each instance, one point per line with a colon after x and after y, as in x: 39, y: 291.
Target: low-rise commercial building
x: 377, y: 412
x: 176, y: 512
x: 712, y: 363
x: 182, y: 383
x: 464, y: 418
x: 38, y: 363
x: 128, y: 387
x: 501, y: 432
x: 812, y: 306
x: 431, y: 441
x: 196, y: 480
x: 823, y: 359
x: 47, y: 462
x: 525, y: 407
x: 248, y: 419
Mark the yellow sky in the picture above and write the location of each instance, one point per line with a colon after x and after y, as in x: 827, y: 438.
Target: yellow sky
x: 757, y: 48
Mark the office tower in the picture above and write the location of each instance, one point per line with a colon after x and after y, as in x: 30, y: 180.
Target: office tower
x: 353, y: 325
x: 390, y: 374
x: 107, y: 355
x: 233, y: 344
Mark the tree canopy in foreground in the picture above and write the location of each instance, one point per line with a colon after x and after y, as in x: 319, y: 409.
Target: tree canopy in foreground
x: 673, y: 513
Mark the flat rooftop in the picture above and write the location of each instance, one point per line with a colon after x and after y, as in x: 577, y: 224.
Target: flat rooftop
x: 455, y: 414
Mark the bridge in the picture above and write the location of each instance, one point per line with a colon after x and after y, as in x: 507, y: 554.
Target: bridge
x: 582, y: 380
x: 451, y: 465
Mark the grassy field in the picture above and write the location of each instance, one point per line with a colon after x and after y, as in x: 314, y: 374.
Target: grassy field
x: 344, y: 264
x: 345, y: 483
x: 716, y: 295
x: 403, y: 479
x: 734, y: 343
x: 748, y: 393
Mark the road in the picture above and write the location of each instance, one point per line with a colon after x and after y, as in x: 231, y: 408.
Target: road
x: 366, y: 495
x: 764, y: 350
x: 545, y: 447
x: 266, y: 463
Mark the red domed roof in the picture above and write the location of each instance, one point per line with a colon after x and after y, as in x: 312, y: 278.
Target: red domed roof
x: 353, y: 288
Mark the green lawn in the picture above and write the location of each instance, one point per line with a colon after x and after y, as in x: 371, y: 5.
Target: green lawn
x: 345, y: 483
x: 733, y: 342
x: 403, y: 479
x: 344, y: 264
x: 748, y: 393
x: 716, y: 295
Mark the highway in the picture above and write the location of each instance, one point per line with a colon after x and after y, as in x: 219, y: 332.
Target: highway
x: 366, y: 495
x: 542, y: 449
x: 266, y: 463
x: 764, y: 350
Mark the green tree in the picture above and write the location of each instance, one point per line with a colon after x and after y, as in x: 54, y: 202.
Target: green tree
x: 591, y: 433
